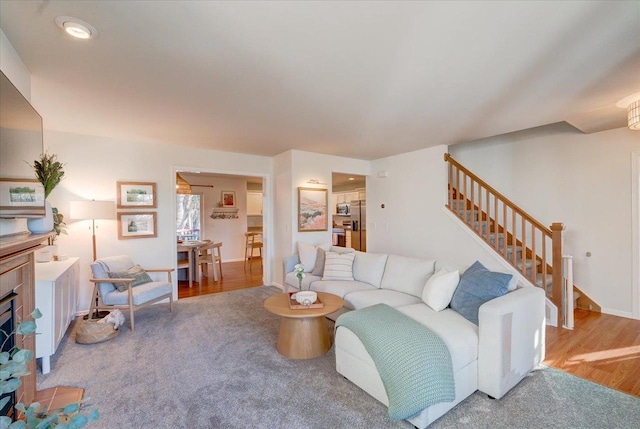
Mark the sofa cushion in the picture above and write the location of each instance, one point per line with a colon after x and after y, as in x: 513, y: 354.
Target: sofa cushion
x: 340, y: 288
x: 318, y: 268
x: 338, y: 249
x: 292, y: 280
x: 440, y: 288
x: 308, y: 254
x: 369, y: 267
x: 366, y: 298
x: 460, y: 335
x: 338, y: 266
x: 408, y: 275
x: 477, y: 286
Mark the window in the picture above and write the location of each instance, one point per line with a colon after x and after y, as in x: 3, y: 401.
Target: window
x: 188, y: 217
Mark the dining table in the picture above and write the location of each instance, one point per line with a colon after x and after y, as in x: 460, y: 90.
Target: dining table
x: 191, y: 247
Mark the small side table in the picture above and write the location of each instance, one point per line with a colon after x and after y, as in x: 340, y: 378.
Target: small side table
x: 303, y: 333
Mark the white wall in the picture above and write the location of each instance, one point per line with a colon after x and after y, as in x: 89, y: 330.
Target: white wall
x: 558, y: 174
x: 413, y: 222
x: 12, y: 66
x: 293, y: 169
x: 93, y: 165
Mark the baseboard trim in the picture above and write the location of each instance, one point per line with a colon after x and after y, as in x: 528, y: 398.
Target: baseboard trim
x: 614, y: 312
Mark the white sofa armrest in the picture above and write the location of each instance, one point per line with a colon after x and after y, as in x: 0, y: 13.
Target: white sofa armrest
x: 288, y: 264
x: 511, y: 339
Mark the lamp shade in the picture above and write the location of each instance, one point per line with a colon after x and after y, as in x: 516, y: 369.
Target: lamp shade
x: 92, y: 209
x: 182, y: 186
x: 633, y: 115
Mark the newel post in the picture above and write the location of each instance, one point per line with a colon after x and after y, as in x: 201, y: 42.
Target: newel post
x: 557, y: 229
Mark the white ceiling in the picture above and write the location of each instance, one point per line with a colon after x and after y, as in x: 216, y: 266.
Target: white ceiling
x: 357, y: 79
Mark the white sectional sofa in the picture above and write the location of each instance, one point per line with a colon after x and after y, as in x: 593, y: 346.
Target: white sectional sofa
x: 492, y: 356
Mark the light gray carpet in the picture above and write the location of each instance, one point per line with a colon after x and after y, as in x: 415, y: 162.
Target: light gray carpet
x: 212, y: 363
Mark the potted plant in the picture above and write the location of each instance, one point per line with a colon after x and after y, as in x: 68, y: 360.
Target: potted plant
x: 49, y: 171
x: 13, y: 366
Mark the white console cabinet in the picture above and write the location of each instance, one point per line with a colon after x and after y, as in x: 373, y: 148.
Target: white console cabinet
x: 56, y: 297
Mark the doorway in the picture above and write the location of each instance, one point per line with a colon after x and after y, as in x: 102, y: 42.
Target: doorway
x: 349, y: 209
x: 216, y: 208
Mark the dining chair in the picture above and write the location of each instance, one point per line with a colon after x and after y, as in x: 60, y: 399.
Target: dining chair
x: 252, y: 242
x: 119, y: 283
x: 211, y: 254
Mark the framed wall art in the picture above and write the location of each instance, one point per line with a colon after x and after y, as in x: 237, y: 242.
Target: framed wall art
x: 21, y: 198
x: 312, y: 210
x: 136, y: 195
x: 136, y: 225
x: 228, y: 199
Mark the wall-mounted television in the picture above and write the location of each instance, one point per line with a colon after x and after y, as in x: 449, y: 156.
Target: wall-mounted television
x: 20, y: 144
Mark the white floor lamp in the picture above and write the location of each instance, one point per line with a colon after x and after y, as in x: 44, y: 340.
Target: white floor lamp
x: 93, y: 210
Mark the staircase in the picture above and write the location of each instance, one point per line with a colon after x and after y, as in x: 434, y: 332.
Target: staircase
x: 530, y: 247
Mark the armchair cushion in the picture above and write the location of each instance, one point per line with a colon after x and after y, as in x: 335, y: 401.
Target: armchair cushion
x: 141, y: 294
x: 136, y: 272
x: 102, y: 266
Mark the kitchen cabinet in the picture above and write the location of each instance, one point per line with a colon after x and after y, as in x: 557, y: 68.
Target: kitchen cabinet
x: 56, y: 298
x: 254, y: 203
x: 348, y: 238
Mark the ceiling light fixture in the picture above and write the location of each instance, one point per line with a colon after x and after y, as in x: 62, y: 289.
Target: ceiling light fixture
x: 315, y: 182
x: 352, y: 178
x: 632, y: 104
x: 182, y: 186
x: 76, y: 27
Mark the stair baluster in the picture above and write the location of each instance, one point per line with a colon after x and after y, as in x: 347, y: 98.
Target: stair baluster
x: 502, y: 231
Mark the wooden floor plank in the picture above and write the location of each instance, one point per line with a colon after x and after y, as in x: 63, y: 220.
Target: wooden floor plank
x: 602, y: 348
x: 234, y: 277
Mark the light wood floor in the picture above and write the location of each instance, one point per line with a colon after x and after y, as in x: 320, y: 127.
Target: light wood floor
x: 602, y: 348
x: 234, y: 277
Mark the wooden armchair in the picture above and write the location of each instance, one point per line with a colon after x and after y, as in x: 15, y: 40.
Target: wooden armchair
x: 107, y: 271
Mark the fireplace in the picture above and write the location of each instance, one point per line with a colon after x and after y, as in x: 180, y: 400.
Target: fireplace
x: 7, y: 339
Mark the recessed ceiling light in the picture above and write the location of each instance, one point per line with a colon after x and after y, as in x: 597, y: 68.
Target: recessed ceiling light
x: 352, y: 178
x: 76, y: 27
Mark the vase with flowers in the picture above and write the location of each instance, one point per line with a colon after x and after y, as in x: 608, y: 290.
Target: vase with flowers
x: 299, y: 270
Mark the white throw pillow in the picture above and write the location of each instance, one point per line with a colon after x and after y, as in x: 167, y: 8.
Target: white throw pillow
x: 338, y: 266
x: 439, y: 290
x: 308, y: 254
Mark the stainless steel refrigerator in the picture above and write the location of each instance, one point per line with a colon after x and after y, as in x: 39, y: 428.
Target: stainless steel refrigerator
x: 359, y: 225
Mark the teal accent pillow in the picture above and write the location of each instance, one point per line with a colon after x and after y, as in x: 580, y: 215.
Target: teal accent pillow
x: 477, y: 286
x: 136, y: 272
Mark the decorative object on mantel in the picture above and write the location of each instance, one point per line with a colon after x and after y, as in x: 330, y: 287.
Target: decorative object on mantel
x: 21, y: 198
x: 49, y: 171
x: 136, y: 195
x: 224, y: 213
x: 182, y: 186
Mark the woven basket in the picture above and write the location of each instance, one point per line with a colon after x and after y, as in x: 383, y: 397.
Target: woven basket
x: 91, y: 332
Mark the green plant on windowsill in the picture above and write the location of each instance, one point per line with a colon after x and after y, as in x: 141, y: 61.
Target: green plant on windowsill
x: 13, y: 366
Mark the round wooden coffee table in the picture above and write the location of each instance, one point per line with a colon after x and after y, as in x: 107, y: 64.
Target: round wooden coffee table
x: 303, y: 333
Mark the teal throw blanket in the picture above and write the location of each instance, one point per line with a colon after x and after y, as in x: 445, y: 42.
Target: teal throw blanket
x: 413, y: 362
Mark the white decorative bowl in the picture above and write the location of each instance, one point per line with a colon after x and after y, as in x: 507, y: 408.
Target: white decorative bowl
x: 306, y: 297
